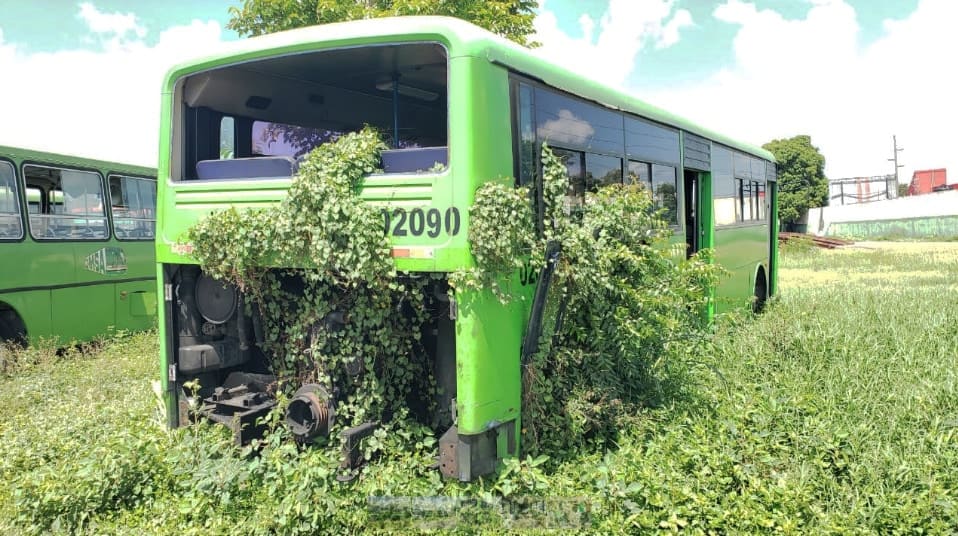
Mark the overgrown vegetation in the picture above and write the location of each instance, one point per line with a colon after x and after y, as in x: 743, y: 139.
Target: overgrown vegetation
x: 336, y: 261
x: 834, y: 412
x: 625, y: 303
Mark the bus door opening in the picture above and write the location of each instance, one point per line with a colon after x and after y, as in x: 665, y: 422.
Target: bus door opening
x: 692, y: 220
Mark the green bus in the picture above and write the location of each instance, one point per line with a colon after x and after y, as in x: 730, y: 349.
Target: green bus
x: 77, y: 242
x: 443, y: 91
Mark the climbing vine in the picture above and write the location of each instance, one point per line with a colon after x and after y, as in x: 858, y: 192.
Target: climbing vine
x: 620, y: 304
x: 619, y: 307
x: 343, y: 318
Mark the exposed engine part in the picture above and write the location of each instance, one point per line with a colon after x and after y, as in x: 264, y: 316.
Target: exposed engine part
x: 310, y: 413
x: 239, y: 402
x: 212, y: 330
x: 352, y: 457
x: 215, y: 300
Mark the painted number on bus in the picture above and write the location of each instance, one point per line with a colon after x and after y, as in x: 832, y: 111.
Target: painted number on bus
x: 416, y: 222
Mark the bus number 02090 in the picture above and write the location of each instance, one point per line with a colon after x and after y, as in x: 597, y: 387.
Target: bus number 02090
x: 416, y: 222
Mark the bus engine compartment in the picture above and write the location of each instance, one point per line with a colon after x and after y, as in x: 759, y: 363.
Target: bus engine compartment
x: 215, y: 340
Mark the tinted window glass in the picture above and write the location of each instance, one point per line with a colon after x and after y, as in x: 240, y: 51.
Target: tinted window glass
x: 10, y: 226
x: 280, y: 139
x: 645, y: 140
x: 227, y: 137
x: 664, y: 191
x: 133, y: 202
x: 73, y: 206
x: 565, y: 121
x: 760, y: 198
x: 575, y: 197
x: 640, y: 173
x: 757, y: 166
x: 742, y: 170
x: 724, y: 195
x: 602, y: 170
x: 747, y: 204
x: 527, y: 136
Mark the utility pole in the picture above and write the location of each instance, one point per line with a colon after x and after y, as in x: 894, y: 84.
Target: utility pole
x: 895, y: 150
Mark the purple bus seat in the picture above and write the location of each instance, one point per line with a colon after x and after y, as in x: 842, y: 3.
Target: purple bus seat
x: 246, y: 168
x: 413, y: 160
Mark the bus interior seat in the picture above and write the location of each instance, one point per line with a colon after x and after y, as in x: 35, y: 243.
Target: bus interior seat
x: 414, y: 160
x: 246, y: 168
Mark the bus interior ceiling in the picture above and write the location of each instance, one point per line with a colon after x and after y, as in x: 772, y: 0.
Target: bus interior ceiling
x: 219, y: 339
x: 337, y: 90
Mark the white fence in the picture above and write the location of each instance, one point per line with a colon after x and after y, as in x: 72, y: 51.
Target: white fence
x: 940, y: 207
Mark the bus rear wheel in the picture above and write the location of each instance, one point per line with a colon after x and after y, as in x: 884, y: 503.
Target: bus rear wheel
x: 761, y: 292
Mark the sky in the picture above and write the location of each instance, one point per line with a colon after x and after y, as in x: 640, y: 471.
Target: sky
x: 84, y: 77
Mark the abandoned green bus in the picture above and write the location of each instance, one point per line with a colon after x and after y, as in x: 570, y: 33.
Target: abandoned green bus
x: 76, y: 237
x: 444, y: 92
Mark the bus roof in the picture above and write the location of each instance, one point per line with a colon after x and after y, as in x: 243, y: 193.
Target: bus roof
x: 461, y: 39
x: 43, y: 157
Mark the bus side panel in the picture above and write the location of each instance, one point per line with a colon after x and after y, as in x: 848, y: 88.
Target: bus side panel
x: 136, y: 300
x: 488, y: 343
x: 135, y: 305
x: 738, y: 250
x: 33, y: 307
x: 488, y: 334
x: 82, y: 312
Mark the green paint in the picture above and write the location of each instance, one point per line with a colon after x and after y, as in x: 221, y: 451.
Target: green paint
x: 488, y: 334
x: 72, y: 292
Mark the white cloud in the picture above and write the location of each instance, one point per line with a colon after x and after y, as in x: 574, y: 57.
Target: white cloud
x: 624, y: 30
x: 96, y: 103
x: 812, y: 76
x: 670, y: 32
x: 110, y: 23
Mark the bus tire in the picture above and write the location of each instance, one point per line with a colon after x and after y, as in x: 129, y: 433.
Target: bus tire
x: 760, y: 296
x: 12, y: 329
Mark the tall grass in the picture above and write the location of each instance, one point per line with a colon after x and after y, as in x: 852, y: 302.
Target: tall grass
x: 835, y: 412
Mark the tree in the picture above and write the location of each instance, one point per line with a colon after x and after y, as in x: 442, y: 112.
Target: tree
x: 801, y: 176
x: 509, y: 18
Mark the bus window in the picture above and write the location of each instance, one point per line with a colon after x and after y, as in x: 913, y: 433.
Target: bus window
x: 133, y: 204
x: 575, y: 196
x: 73, y: 206
x: 664, y: 190
x: 724, y: 196
x: 640, y: 174
x: 280, y: 139
x: 34, y: 200
x: 285, y: 106
x: 602, y: 170
x: 227, y: 138
x: 9, y: 204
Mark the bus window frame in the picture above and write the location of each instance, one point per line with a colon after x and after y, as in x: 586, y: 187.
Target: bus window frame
x: 20, y: 198
x: 739, y: 223
x: 183, y: 157
x: 103, y: 191
x: 516, y: 78
x: 111, y: 174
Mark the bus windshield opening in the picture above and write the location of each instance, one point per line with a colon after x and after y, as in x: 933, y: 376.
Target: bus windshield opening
x: 260, y: 118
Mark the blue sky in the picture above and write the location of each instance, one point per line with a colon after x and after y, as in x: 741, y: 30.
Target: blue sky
x: 851, y: 73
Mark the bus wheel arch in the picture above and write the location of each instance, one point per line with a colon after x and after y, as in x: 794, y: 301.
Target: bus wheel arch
x: 760, y: 290
x: 12, y: 327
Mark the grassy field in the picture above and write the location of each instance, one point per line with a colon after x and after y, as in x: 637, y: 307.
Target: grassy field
x: 835, y: 412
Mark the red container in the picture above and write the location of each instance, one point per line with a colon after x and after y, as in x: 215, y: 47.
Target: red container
x: 926, y: 181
